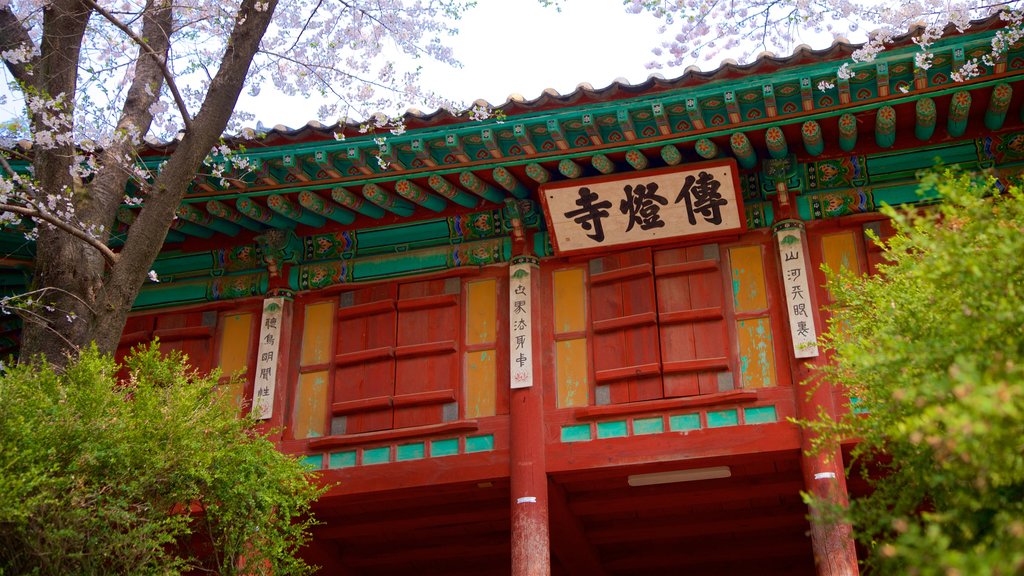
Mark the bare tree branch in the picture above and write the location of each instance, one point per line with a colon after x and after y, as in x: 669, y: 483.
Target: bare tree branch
x: 33, y: 212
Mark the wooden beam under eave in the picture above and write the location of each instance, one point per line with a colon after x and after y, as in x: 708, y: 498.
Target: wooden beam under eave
x: 286, y: 207
x: 671, y: 155
x: 732, y: 107
x: 743, y: 150
x: 814, y: 141
x: 538, y: 173
x: 959, y: 110
x: 357, y: 159
x: 775, y: 141
x: 626, y: 125
x: 389, y: 154
x: 925, y: 117
x: 506, y: 180
x: 490, y: 142
x: 635, y: 157
x: 556, y: 134
x: 322, y: 160
x: 885, y: 127
x: 474, y: 184
x: 568, y: 539
x: 998, y: 106
x: 292, y: 165
x: 414, y: 193
x: 522, y: 136
x: 322, y: 207
x: 602, y: 164
x: 661, y: 118
x: 388, y: 201
x: 847, y: 132
x: 569, y: 168
x: 420, y: 149
x: 356, y: 203
x: 590, y: 127
x: 452, y: 192
x: 455, y: 148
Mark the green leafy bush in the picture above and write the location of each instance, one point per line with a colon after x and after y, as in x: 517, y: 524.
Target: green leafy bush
x: 155, y: 475
x: 932, y: 348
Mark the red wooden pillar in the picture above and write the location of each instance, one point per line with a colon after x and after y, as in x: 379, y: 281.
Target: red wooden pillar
x: 531, y: 543
x: 823, y: 472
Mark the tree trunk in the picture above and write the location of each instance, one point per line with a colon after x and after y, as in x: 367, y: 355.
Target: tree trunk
x: 75, y: 275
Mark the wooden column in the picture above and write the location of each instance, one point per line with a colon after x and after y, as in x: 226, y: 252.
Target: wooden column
x: 531, y: 543
x: 823, y: 472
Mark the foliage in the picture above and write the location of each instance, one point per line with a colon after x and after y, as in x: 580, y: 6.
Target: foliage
x: 932, y: 348
x: 156, y: 475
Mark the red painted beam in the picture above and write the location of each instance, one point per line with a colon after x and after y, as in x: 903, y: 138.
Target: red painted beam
x: 569, y: 543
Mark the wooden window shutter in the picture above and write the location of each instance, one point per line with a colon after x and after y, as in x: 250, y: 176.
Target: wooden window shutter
x: 626, y: 354
x: 427, y: 361
x: 691, y: 315
x: 364, y: 380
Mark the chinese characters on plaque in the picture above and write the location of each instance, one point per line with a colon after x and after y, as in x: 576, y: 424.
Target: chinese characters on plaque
x: 520, y: 323
x: 797, y: 287
x: 266, y: 359
x: 659, y: 204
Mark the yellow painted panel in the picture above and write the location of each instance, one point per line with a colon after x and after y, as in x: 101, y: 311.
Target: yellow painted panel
x: 570, y: 300
x: 572, y: 372
x: 748, y: 293
x: 840, y: 251
x: 481, y: 383
x: 310, y: 405
x: 757, y: 356
x: 481, y: 312
x: 235, y: 336
x: 316, y: 333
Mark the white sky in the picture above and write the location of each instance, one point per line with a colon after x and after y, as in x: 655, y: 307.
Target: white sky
x: 519, y: 46
x: 514, y: 46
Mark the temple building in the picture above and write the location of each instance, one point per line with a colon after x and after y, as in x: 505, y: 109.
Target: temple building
x: 569, y: 339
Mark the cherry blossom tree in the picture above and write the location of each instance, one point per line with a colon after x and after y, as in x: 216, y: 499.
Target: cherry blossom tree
x: 706, y: 29
x: 100, y: 77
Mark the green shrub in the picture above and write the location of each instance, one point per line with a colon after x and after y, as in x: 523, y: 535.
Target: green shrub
x: 155, y: 475
x: 933, y: 349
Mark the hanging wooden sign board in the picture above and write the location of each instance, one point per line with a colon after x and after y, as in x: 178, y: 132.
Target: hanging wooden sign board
x: 620, y: 210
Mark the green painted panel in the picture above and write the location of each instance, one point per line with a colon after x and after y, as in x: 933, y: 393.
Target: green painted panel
x: 684, y: 422
x: 377, y: 455
x: 857, y: 406
x: 615, y: 429
x: 446, y: 447
x: 166, y: 294
x: 170, y: 264
x: 413, y: 451
x: 760, y: 415
x: 342, y: 459
x: 312, y: 462
x: 384, y: 267
x: 904, y: 194
x: 721, y: 418
x: 576, y: 433
x: 392, y: 235
x: 479, y: 443
x: 649, y: 425
x: 882, y: 165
